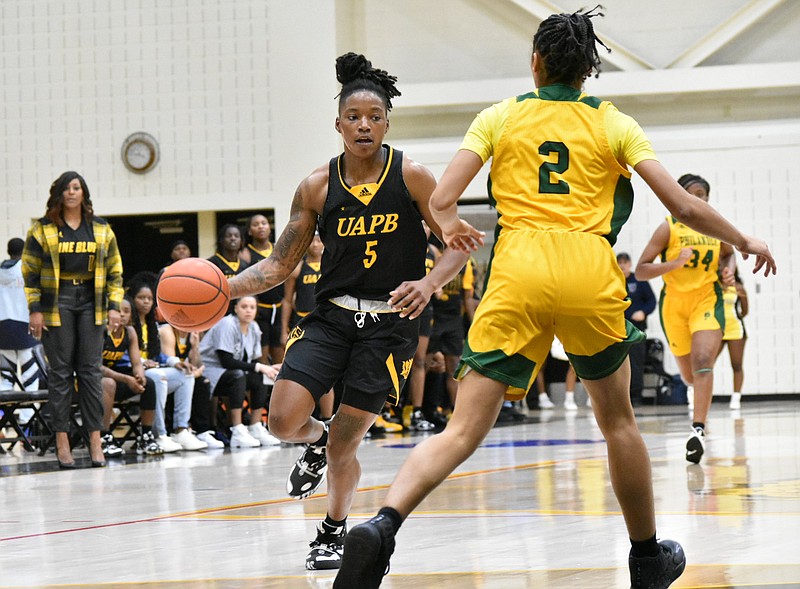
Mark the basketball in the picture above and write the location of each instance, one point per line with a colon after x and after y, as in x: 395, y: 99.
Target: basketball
x: 193, y: 294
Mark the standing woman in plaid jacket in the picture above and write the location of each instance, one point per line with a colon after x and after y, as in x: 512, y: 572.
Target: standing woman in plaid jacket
x: 73, y: 282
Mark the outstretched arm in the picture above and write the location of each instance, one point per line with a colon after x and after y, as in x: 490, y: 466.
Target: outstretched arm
x: 292, y: 243
x: 701, y: 217
x: 456, y: 233
x: 413, y: 296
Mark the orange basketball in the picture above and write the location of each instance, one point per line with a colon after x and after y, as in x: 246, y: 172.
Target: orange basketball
x: 193, y: 294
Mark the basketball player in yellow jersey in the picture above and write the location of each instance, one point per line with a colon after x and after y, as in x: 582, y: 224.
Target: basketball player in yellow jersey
x: 734, y: 334
x: 560, y: 181
x: 691, y: 306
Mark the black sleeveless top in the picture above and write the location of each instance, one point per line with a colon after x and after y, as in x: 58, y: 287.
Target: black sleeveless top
x: 183, y: 345
x: 305, y: 286
x: 228, y: 268
x: 115, y: 349
x: 372, y: 233
x: 274, y: 295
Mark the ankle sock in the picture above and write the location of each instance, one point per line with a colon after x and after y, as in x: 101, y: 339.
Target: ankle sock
x: 699, y: 425
x: 645, y: 548
x: 393, y: 516
x: 333, y: 526
x: 146, y: 429
x: 323, y: 440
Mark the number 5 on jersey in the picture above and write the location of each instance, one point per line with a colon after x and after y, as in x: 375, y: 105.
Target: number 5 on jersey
x: 371, y: 254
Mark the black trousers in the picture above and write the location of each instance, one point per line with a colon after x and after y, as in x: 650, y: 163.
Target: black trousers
x: 74, y: 350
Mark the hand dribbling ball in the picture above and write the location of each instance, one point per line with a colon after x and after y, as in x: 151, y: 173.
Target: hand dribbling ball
x: 193, y: 294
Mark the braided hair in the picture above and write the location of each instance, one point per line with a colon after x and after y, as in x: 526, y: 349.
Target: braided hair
x: 688, y: 179
x: 355, y: 73
x: 568, y: 45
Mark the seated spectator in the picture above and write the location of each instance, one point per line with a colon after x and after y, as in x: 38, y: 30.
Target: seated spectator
x: 166, y: 378
x: 182, y: 351
x: 123, y: 378
x: 16, y: 343
x: 229, y: 351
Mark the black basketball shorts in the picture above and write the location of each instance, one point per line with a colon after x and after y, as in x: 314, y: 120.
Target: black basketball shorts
x: 447, y: 335
x: 370, y: 352
x: 269, y: 320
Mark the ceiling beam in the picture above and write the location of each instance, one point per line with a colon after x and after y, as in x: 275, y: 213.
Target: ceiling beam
x: 620, y: 56
x: 723, y: 34
x: 724, y: 78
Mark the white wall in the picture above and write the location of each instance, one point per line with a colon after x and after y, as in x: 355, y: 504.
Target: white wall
x: 230, y: 88
x: 755, y: 182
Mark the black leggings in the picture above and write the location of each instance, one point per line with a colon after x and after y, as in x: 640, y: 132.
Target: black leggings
x: 235, y: 383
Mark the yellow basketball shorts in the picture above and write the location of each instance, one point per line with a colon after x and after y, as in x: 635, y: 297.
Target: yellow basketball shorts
x: 684, y: 313
x: 541, y: 284
x: 734, y: 327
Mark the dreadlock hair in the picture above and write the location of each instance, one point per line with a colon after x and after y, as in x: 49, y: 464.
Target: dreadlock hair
x: 355, y: 73
x: 568, y: 46
x: 688, y: 179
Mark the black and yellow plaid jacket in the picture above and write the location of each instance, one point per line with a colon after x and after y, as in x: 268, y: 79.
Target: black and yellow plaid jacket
x: 40, y: 269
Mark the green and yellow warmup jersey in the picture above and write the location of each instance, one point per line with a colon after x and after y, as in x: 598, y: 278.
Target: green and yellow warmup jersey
x: 560, y: 161
x: 701, y: 269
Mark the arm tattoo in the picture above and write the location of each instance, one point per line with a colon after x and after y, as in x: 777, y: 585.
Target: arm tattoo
x: 288, y: 251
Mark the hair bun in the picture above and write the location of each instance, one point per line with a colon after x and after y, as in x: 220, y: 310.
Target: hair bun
x: 352, y: 66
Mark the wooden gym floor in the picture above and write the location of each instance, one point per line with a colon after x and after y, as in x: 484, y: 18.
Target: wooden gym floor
x: 532, y: 508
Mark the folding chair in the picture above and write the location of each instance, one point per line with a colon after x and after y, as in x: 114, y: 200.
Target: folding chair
x: 128, y: 417
x: 660, y: 381
x: 36, y: 430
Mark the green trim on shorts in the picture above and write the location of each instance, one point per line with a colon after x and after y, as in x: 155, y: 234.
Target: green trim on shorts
x: 719, y: 307
x: 661, y: 312
x: 513, y: 370
x: 607, y: 362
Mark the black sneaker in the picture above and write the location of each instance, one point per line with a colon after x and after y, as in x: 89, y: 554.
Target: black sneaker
x: 658, y: 572
x: 419, y: 423
x: 695, y: 445
x: 308, y: 472
x: 368, y: 548
x: 110, y: 446
x: 326, y: 549
x: 146, y: 445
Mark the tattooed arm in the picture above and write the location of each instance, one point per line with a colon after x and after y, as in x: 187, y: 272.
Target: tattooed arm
x: 309, y: 198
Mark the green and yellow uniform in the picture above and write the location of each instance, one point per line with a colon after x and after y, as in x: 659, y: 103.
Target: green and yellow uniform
x: 734, y: 326
x: 691, y: 299
x: 561, y: 185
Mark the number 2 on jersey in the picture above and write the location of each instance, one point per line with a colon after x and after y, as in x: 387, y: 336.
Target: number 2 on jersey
x: 546, y: 184
x: 371, y: 254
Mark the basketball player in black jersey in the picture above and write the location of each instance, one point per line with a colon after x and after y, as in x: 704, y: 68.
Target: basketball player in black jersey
x: 370, y: 202
x: 230, y: 243
x: 271, y: 310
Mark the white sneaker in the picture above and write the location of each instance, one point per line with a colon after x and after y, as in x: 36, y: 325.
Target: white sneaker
x: 188, y: 441
x: 210, y: 440
x: 736, y: 401
x: 167, y: 444
x: 241, y: 438
x: 260, y: 433
x: 545, y: 402
x: 569, y: 402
